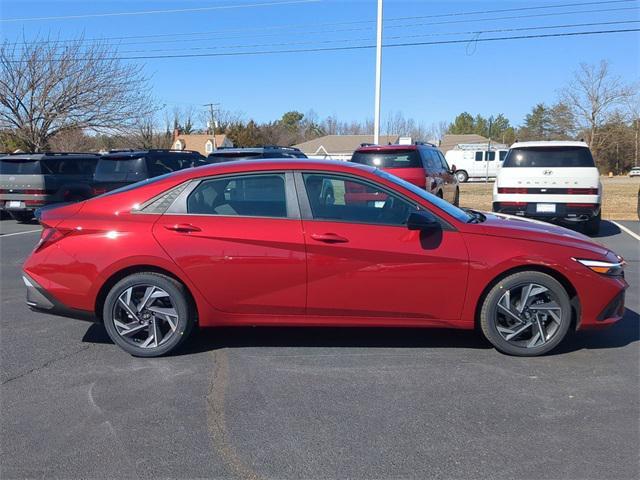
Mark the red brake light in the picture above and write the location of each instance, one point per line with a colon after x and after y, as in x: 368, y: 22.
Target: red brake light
x: 582, y: 191
x: 34, y: 191
x: 511, y: 190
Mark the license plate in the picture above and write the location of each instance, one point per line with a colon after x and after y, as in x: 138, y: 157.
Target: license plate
x: 546, y: 207
x: 14, y: 204
x: 378, y: 204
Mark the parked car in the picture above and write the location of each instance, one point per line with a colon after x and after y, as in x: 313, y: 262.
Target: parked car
x: 30, y: 181
x: 421, y: 164
x: 254, y: 243
x: 268, y: 151
x: 634, y: 172
x: 476, y: 163
x: 553, y: 181
x: 123, y: 167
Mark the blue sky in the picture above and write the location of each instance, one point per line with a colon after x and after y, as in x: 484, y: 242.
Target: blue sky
x: 428, y: 83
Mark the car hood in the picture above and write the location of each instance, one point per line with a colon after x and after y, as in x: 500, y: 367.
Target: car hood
x: 510, y: 226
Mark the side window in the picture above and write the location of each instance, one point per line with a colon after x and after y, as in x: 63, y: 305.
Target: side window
x: 443, y: 161
x: 491, y: 156
x: 432, y: 161
x: 503, y: 154
x: 479, y: 156
x: 161, y: 164
x: 348, y: 199
x: 246, y: 196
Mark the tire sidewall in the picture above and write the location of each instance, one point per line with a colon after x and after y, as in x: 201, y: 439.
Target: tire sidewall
x: 490, y: 307
x: 178, y: 297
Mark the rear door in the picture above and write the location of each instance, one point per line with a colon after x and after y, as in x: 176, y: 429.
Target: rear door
x: 239, y: 240
x: 364, y: 264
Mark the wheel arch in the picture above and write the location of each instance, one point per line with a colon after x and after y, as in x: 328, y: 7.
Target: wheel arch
x: 564, y: 281
x: 125, y: 272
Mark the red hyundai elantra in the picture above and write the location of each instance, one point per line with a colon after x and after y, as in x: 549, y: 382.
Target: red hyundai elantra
x: 260, y: 243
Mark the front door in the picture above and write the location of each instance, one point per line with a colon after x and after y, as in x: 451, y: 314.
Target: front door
x: 364, y: 262
x: 239, y: 240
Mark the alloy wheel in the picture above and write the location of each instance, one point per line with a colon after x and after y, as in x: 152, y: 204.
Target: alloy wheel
x: 145, y: 316
x: 528, y: 315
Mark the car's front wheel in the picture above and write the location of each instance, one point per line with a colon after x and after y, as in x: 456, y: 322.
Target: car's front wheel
x: 526, y: 314
x: 147, y: 314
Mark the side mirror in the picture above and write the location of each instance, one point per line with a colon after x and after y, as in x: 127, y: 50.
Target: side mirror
x: 453, y: 169
x: 422, y: 221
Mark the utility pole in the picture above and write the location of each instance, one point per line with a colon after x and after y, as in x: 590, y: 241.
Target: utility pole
x: 212, y: 122
x: 486, y: 160
x: 376, y: 114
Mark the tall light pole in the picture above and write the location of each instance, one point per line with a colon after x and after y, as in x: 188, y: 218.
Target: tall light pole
x: 212, y: 124
x: 376, y: 115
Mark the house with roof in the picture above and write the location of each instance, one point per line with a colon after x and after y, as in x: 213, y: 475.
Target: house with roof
x: 339, y: 147
x: 203, y: 143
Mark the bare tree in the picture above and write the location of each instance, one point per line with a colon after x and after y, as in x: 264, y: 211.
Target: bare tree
x: 593, y: 96
x: 48, y: 87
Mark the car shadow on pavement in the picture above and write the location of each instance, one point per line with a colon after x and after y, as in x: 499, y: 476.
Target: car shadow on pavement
x: 607, y: 229
x: 623, y: 333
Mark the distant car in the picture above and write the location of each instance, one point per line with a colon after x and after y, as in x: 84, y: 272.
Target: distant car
x: 556, y: 181
x: 268, y: 151
x: 421, y: 164
x: 476, y: 163
x: 123, y: 167
x: 30, y: 181
x: 634, y: 172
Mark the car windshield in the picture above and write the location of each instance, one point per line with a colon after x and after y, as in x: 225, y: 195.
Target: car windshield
x: 409, y: 158
x: 546, y: 157
x: 20, y: 167
x: 452, y: 210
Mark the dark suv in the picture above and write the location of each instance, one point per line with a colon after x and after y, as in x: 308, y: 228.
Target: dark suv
x: 30, y: 181
x: 420, y: 163
x: 123, y: 167
x: 267, y: 151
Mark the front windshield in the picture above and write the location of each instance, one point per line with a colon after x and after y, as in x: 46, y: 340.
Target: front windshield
x: 452, y: 210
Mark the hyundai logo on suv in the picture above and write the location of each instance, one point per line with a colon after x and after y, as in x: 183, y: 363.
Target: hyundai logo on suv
x: 548, y: 172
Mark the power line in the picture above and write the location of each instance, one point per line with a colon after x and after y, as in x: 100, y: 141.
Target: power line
x: 367, y: 47
x: 154, y: 12
x: 397, y: 37
x: 279, y: 27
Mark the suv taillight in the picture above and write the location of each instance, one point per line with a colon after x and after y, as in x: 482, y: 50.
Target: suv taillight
x: 511, y: 190
x: 582, y: 191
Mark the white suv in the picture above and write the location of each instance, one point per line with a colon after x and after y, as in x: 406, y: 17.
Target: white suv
x: 552, y: 181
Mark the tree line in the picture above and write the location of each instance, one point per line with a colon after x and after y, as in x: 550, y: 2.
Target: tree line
x: 77, y: 96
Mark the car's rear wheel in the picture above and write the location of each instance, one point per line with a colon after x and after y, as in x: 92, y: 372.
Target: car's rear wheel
x: 148, y: 314
x: 592, y: 226
x: 21, y: 217
x: 526, y: 314
x: 462, y: 176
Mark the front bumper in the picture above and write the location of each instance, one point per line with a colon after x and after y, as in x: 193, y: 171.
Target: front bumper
x: 38, y: 299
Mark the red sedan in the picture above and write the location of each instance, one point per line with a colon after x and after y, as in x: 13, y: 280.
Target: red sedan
x: 261, y: 243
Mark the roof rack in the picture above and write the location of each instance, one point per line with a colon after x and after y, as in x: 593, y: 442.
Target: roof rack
x: 152, y: 150
x: 425, y: 143
x: 50, y: 154
x: 368, y: 144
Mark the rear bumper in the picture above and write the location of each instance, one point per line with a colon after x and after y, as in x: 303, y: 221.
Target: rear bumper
x: 567, y: 212
x: 39, y: 300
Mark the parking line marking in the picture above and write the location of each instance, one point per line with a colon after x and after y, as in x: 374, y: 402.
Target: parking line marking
x: 622, y: 227
x: 18, y: 233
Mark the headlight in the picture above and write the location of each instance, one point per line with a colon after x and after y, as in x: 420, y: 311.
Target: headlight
x: 604, y: 267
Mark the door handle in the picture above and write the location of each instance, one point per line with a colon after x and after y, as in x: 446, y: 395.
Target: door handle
x: 183, y: 228
x: 329, y: 238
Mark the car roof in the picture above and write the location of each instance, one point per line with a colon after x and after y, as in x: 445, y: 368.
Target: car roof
x: 549, y: 143
x: 263, y: 149
x: 42, y: 156
x: 122, y: 154
x: 395, y: 146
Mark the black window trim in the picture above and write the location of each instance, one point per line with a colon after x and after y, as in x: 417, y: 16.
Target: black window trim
x: 305, y: 206
x: 179, y: 205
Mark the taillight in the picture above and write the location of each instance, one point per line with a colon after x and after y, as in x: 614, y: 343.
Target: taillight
x: 49, y: 236
x: 513, y: 204
x: 582, y: 191
x: 511, y: 190
x: 33, y: 191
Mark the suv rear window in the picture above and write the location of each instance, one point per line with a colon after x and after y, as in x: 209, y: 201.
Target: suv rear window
x: 120, y: 168
x: 549, y: 157
x: 49, y: 166
x: 388, y: 158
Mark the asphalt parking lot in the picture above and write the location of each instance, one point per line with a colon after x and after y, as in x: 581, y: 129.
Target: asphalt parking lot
x: 313, y: 403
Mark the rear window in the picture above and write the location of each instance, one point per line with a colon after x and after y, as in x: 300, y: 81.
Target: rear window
x: 49, y: 166
x: 388, y: 159
x: 544, y: 157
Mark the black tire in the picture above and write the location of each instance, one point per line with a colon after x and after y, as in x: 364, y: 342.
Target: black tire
x: 440, y: 194
x: 179, y: 301
x: 21, y: 217
x: 456, y: 198
x: 592, y: 226
x: 462, y: 176
x: 489, y: 319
